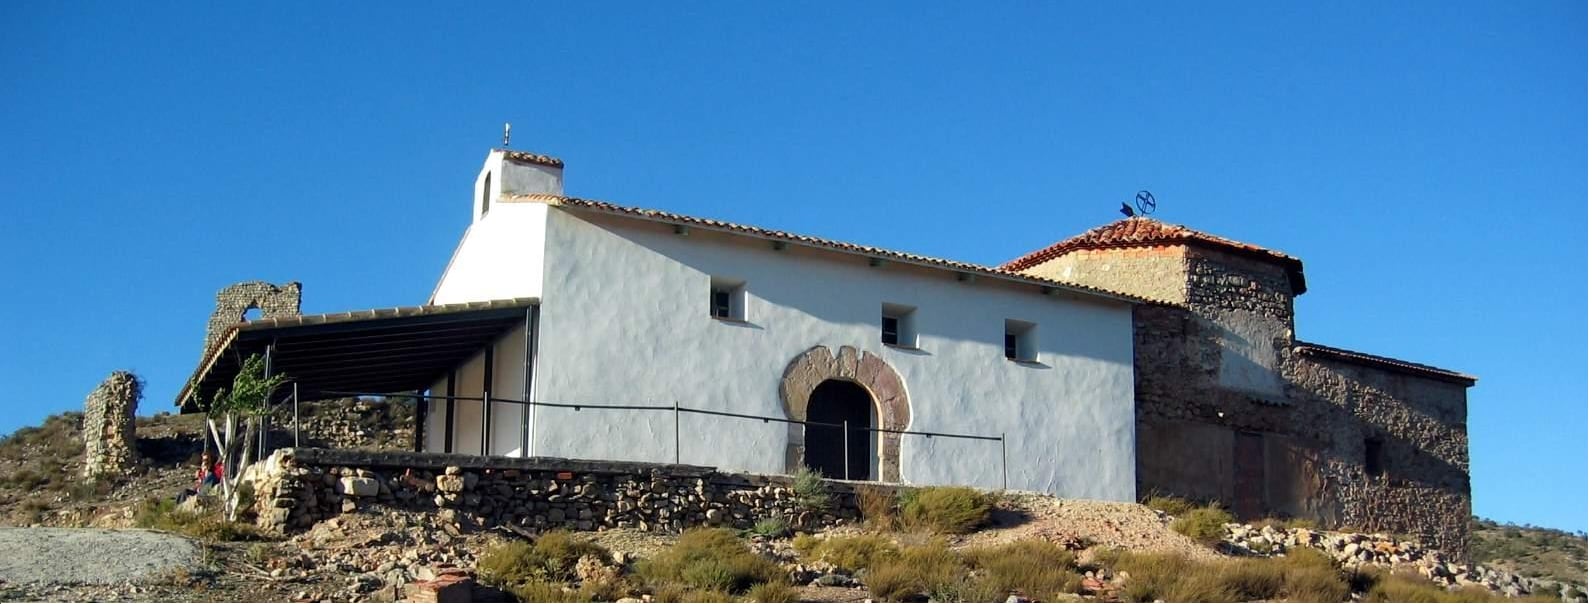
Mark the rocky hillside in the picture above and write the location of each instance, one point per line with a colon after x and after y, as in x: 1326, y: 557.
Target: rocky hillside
x: 1530, y: 551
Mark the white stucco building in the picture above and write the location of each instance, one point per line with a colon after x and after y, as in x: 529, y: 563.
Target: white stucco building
x: 647, y: 308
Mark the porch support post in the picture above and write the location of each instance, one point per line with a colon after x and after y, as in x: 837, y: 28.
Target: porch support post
x: 265, y: 417
x: 486, y: 401
x: 528, y: 411
x: 421, y: 403
x: 448, y: 413
x: 295, y: 415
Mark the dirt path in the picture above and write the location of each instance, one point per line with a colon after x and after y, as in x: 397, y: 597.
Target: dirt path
x: 91, y: 556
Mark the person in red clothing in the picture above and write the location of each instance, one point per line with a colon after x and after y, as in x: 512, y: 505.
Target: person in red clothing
x: 209, y: 473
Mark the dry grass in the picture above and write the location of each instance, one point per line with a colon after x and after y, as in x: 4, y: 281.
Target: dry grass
x: 878, y: 505
x: 709, y: 559
x: 1205, y: 524
x: 920, y: 570
x: 1302, y: 576
x: 1037, y: 568
x: 1411, y: 587
x: 952, y: 510
x: 551, y: 558
x: 162, y: 514
x: 1173, y: 506
x: 849, y: 552
x: 771, y: 592
x: 1287, y: 523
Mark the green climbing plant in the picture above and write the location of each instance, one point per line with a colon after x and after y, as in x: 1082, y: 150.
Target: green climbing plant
x: 248, y: 399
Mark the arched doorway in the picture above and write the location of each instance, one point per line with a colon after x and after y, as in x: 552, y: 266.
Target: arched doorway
x: 846, y: 403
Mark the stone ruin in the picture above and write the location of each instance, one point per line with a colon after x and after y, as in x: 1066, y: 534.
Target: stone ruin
x: 232, y: 303
x: 108, y: 425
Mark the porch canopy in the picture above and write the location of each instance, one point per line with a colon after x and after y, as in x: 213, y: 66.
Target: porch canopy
x: 387, y: 350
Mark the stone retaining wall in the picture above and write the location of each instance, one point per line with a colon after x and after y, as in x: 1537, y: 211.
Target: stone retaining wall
x: 296, y: 488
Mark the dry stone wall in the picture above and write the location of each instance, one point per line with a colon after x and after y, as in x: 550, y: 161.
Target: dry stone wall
x: 108, y: 426
x: 232, y: 303
x: 296, y: 488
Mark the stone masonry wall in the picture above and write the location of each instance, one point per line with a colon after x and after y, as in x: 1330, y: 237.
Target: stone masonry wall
x: 108, y: 426
x: 1216, y: 371
x: 296, y: 488
x: 236, y: 299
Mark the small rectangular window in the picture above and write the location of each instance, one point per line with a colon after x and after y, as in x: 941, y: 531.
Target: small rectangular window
x: 1019, y: 341
x: 897, y: 325
x: 486, y: 194
x: 1374, y: 465
x: 727, y: 299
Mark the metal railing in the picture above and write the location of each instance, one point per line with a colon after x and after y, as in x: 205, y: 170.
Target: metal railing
x: 675, y: 408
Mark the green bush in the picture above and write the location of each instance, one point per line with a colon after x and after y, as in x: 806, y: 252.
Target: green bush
x: 772, y: 527
x: 919, y: 570
x: 811, y: 491
x: 1038, y: 568
x: 849, y: 552
x: 1206, y: 525
x: 953, y: 510
x: 771, y: 592
x: 1173, y: 506
x: 162, y: 514
x: 551, y: 558
x: 710, y: 559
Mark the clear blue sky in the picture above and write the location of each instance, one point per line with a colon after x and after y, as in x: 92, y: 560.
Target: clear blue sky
x: 1426, y: 160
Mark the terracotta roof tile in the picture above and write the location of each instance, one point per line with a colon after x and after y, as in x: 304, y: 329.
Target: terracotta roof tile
x: 1147, y: 232
x: 532, y: 158
x: 1340, y: 354
x: 681, y: 219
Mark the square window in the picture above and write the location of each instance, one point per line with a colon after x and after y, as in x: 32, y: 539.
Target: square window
x: 1019, y: 341
x: 727, y: 299
x: 897, y: 325
x: 1374, y: 465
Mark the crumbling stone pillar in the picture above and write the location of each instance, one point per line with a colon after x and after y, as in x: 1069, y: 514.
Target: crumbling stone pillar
x: 231, y: 303
x: 108, y: 425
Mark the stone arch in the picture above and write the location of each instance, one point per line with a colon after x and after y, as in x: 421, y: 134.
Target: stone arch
x: 817, y: 364
x: 274, y: 301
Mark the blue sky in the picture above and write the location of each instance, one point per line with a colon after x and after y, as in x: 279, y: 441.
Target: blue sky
x: 1427, y: 160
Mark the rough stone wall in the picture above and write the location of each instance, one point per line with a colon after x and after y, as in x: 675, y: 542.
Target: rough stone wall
x: 1218, y: 366
x: 231, y: 304
x: 296, y: 488
x: 108, y: 426
x: 347, y: 424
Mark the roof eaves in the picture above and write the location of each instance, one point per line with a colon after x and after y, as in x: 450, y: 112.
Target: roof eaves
x: 1392, y: 364
x: 818, y: 242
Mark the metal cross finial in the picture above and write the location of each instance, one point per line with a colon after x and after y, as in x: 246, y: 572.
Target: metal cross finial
x: 506, y: 127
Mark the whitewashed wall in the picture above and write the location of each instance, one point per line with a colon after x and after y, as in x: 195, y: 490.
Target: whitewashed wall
x: 625, y: 321
x: 508, y: 371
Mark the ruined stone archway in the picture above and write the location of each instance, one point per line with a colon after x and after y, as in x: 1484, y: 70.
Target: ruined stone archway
x: 817, y: 364
x: 231, y: 303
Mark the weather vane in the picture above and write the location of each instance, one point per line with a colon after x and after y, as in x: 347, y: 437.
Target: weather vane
x: 1144, y: 201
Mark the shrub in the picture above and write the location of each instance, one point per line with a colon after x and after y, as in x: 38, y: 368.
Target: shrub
x: 1302, y: 576
x: 811, y: 491
x: 878, y: 506
x: 921, y: 569
x: 1040, y: 569
x: 1173, y: 506
x: 710, y: 559
x: 551, y: 558
x: 1206, y: 525
x: 849, y: 552
x: 953, y: 510
x: 771, y: 592
x: 162, y: 514
x: 771, y: 526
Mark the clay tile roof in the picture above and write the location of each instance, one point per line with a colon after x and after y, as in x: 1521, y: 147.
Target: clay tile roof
x: 770, y: 234
x: 1339, y: 354
x: 532, y: 158
x: 1148, y: 232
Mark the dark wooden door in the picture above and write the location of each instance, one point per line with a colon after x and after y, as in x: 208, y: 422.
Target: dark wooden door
x: 839, y: 402
x: 1249, y: 476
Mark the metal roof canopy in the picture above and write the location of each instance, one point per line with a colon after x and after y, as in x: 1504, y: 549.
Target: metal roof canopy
x: 382, y: 350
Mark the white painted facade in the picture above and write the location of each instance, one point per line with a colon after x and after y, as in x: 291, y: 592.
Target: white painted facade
x: 624, y: 320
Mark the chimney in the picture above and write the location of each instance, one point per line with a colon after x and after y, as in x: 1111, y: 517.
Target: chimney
x: 508, y: 173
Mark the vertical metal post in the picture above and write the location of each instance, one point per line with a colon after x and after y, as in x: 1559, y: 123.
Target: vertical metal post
x: 677, y: 432
x: 528, y: 411
x: 422, y: 402
x: 259, y: 423
x: 845, y: 445
x: 486, y: 402
x: 448, y: 414
x: 295, y: 416
x: 1003, y: 461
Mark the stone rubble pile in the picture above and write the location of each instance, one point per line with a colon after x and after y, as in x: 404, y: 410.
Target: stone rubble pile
x: 1354, y: 549
x: 376, y: 556
x: 291, y: 495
